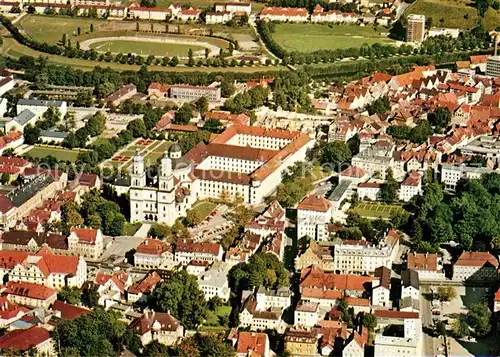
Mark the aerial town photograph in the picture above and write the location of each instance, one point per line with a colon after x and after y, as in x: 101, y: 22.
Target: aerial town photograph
x: 249, y: 178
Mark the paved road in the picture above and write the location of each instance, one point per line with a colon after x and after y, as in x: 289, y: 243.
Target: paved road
x: 143, y: 231
x: 216, y: 222
x: 426, y: 316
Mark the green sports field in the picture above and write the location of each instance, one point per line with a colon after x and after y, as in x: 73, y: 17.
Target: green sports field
x: 60, y: 154
x: 313, y: 37
x: 145, y: 48
x: 376, y: 210
x: 50, y: 29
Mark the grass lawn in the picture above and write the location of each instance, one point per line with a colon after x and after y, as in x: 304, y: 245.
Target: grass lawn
x: 312, y: 37
x: 453, y: 13
x: 376, y: 209
x: 145, y: 48
x: 204, y: 208
x: 213, y: 317
x: 318, y: 173
x: 60, y: 154
x: 129, y: 229
x: 14, y: 49
x: 51, y: 28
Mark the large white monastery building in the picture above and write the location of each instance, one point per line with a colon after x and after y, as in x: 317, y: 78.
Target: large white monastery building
x: 243, y: 160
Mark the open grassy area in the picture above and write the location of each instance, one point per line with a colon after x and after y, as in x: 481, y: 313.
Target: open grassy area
x: 376, y: 209
x: 14, y: 49
x: 312, y: 37
x: 145, y: 48
x: 204, y: 208
x: 51, y: 28
x: 129, y: 229
x: 453, y: 13
x: 59, y: 153
x: 213, y: 317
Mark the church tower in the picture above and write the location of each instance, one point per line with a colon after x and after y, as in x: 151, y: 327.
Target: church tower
x: 138, y: 174
x: 165, y: 174
x: 167, y: 212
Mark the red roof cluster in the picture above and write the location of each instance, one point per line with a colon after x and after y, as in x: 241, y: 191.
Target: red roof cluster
x: 284, y: 11
x: 85, y: 235
x: 314, y: 203
x: 153, y: 247
x: 23, y: 340
x: 255, y: 342
x: 29, y: 290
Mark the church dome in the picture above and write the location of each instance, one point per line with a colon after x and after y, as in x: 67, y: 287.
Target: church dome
x: 175, y: 147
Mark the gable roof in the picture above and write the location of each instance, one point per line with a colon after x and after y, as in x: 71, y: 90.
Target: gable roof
x: 314, y: 203
x: 252, y: 341
x: 477, y: 259
x: 29, y: 290
x: 68, y: 311
x: 85, y: 235
x: 151, y: 319
x: 410, y: 278
x: 23, y: 340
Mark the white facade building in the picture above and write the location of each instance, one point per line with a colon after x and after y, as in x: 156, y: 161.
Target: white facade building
x: 428, y: 266
x: 450, y: 174
x: 475, y: 266
x: 306, y: 315
x: 411, y: 187
x: 213, y: 282
x: 40, y: 106
x: 313, y: 213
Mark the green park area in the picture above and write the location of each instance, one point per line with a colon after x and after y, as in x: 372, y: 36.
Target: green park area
x: 221, y: 314
x: 204, y: 208
x: 453, y: 13
x: 313, y: 37
x: 376, y: 209
x: 42, y: 152
x: 50, y: 29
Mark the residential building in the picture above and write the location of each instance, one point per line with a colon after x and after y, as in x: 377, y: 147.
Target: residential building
x: 157, y: 326
x: 149, y: 13
x: 35, y: 338
x: 125, y: 92
x: 475, y: 266
x: 10, y: 312
x: 428, y: 266
x: 170, y: 196
x: 140, y: 290
x: 112, y: 287
x: 369, y: 190
x: 381, y: 287
x: 362, y: 257
x: 270, y: 298
x: 256, y: 319
x: 189, y: 93
x: 190, y: 14
x: 67, y: 311
x: 43, y: 268
x: 252, y: 343
x: 450, y: 174
x: 40, y: 106
x: 313, y: 214
x: 415, y: 30
x: 187, y: 250
x: 6, y: 84
x: 246, y: 161
x: 493, y: 66
x: 316, y: 254
x: 29, y: 294
x: 301, y: 343
x: 218, y: 17
x: 306, y: 314
x: 270, y: 221
x: 355, y: 346
x: 410, y: 284
x: 411, y: 187
x: 410, y: 344
x: 235, y: 7
x: 213, y: 282
x: 284, y: 14
x: 86, y: 242
x: 153, y: 254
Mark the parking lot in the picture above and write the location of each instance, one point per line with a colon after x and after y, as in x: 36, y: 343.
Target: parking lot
x: 214, y: 226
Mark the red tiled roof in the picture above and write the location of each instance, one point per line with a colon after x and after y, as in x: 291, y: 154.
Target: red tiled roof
x: 412, y: 180
x: 392, y: 314
x: 9, y: 310
x: 314, y: 277
x: 119, y: 278
x: 5, y: 204
x: 478, y: 59
x: 152, y: 246
x: 23, y: 340
x: 189, y: 246
x: 353, y: 171
x: 370, y: 185
x: 284, y: 11
x: 314, y: 203
x: 146, y: 285
x: 144, y: 324
x: 159, y: 87
x: 252, y: 341
x: 33, y: 291
x: 85, y: 235
x: 477, y: 259
x: 68, y: 311
x: 421, y: 261
x: 13, y: 161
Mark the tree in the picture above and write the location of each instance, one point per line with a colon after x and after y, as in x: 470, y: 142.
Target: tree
x: 190, y: 62
x: 155, y: 349
x: 389, y: 189
x: 63, y: 40
x: 71, y: 295
x: 193, y: 218
x: 79, y: 31
x: 96, y: 124
x: 379, y: 106
x: 460, y: 327
x: 479, y: 318
x: 420, y: 132
x: 440, y: 328
x: 137, y: 128
x: 350, y: 233
x: 440, y: 117
x: 401, y: 132
x: 227, y: 88
x: 184, y: 114
x: 90, y: 297
x: 482, y: 6
x: 97, y: 333
x: 446, y: 293
x: 369, y: 321
x: 213, y: 126
x: 4, y: 178
x: 332, y: 154
x: 202, y: 105
x: 181, y: 296
x: 31, y: 134
x: 70, y: 216
x: 91, y: 28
